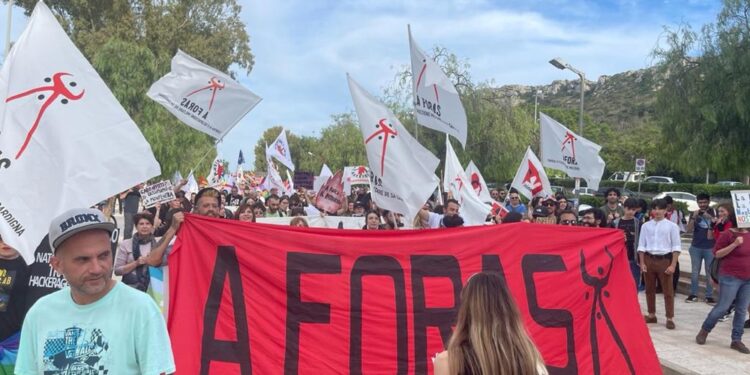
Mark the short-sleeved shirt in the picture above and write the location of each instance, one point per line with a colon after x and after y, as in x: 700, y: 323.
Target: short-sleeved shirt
x: 14, y: 283
x: 435, y: 220
x: 521, y: 208
x: 659, y: 237
x: 700, y: 232
x: 121, y: 333
x: 737, y: 262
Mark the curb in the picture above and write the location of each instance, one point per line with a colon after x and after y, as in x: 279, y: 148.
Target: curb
x: 671, y: 368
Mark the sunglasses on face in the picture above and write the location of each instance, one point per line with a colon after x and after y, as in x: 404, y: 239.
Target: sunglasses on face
x: 549, y: 204
x: 568, y: 222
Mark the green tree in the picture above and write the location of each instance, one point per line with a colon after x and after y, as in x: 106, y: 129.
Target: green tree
x: 131, y: 43
x: 703, y: 107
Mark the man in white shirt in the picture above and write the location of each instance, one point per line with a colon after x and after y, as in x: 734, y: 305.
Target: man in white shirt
x: 448, y: 219
x: 658, y: 250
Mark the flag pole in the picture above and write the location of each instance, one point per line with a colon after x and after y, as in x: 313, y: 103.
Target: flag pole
x: 207, y: 152
x: 414, y: 112
x: 7, y: 30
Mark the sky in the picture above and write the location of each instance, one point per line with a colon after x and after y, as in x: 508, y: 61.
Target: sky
x: 303, y: 49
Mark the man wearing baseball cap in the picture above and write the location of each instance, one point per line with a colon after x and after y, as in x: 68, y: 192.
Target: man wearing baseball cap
x: 95, y: 324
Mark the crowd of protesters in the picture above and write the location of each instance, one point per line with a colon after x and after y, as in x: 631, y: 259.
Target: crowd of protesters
x: 651, y: 232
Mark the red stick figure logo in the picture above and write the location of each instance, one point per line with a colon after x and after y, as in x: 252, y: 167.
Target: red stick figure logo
x: 458, y: 183
x: 419, y: 80
x: 214, y: 85
x: 475, y: 183
x: 570, y: 139
x: 385, y: 130
x: 56, y: 89
x: 280, y: 148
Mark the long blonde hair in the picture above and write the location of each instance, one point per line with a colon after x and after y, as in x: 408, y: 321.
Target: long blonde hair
x: 490, y: 337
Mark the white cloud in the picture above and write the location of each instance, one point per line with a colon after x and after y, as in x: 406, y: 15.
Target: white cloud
x: 303, y: 49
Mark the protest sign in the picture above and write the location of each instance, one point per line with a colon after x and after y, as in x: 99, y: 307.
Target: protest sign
x: 331, y: 195
x: 251, y: 298
x: 741, y: 202
x: 357, y: 175
x: 157, y: 193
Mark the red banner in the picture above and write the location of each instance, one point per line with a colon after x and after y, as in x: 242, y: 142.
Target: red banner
x: 264, y: 299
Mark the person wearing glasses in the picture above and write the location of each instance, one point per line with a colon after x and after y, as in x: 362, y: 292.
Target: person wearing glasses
x: 551, y: 204
x: 514, y: 204
x: 567, y: 217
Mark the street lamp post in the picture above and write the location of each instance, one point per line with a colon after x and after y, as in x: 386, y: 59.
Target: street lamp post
x: 536, y: 105
x: 562, y: 65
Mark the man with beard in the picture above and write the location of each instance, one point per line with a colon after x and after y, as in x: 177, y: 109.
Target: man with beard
x: 449, y: 218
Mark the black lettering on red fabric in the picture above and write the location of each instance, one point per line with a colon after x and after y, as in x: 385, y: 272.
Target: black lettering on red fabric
x: 369, y: 266
x: 491, y: 263
x: 227, y: 267
x: 550, y: 318
x: 298, y: 312
x: 423, y: 266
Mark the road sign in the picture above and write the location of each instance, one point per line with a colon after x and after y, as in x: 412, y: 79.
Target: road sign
x: 640, y: 165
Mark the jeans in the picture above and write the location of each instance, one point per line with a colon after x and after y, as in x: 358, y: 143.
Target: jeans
x: 128, y: 225
x: 730, y: 288
x: 635, y: 269
x: 700, y: 256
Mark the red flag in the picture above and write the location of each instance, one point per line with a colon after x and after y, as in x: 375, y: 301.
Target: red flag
x: 499, y: 209
x: 279, y: 300
x: 531, y: 180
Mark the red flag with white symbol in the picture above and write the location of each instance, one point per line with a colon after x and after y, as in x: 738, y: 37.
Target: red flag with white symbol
x: 61, y: 131
x: 531, y: 179
x: 402, y: 173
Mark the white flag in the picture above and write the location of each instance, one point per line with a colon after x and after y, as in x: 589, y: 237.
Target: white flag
x: 321, y: 178
x: 62, y: 132
x: 216, y: 175
x: 192, y: 184
x: 436, y: 102
x: 176, y: 178
x: 401, y: 170
x: 477, y: 182
x: 356, y: 175
x: 202, y: 97
x: 566, y: 151
x: 531, y: 179
x: 289, y: 184
x: 273, y: 177
x: 280, y: 150
x: 472, y: 210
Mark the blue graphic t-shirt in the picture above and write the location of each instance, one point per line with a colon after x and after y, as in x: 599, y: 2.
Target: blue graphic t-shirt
x: 122, y: 333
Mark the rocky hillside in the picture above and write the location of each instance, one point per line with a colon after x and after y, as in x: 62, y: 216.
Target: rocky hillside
x: 621, y: 100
